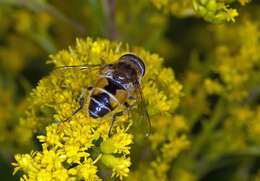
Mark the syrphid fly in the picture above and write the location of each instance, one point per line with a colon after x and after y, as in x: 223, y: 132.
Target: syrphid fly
x: 116, y: 84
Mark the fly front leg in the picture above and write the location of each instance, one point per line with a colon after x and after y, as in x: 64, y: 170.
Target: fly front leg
x: 82, y: 100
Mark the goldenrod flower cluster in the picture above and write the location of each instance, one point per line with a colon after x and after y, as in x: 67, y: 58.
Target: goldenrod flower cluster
x: 168, y: 142
x: 236, y: 65
x: 11, y: 107
x: 24, y: 34
x: 25, y: 26
x: 222, y: 92
x: 180, y: 8
x: 16, y: 52
x: 25, y: 40
x: 214, y: 11
x: 79, y: 149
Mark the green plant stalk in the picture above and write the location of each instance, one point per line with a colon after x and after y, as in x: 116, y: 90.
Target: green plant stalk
x: 206, y: 134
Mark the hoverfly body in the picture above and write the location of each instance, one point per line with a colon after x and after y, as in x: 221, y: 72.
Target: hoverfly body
x: 116, y: 84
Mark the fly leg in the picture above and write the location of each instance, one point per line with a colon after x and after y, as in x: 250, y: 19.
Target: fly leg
x: 117, y: 115
x: 81, y: 103
x: 113, y: 120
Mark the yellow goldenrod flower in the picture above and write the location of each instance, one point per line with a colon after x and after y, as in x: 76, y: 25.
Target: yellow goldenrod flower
x: 215, y: 11
x: 211, y: 10
x: 213, y: 87
x: 118, y: 143
x: 120, y: 166
x: 236, y: 64
x: 184, y: 175
x: 180, y: 8
x: 172, y: 149
x: 243, y: 2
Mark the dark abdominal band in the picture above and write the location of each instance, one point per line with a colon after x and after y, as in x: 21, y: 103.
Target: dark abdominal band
x: 100, y: 104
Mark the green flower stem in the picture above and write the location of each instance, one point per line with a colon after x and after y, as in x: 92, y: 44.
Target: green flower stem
x: 208, y: 132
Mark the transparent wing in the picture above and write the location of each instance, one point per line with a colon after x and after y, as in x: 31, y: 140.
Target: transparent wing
x: 142, y: 111
x: 84, y: 66
x: 88, y: 68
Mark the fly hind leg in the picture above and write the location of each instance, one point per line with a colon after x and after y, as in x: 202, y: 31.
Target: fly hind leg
x: 113, y: 121
x: 117, y: 115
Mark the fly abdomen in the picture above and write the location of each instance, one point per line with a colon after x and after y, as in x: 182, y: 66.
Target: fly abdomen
x: 99, y: 105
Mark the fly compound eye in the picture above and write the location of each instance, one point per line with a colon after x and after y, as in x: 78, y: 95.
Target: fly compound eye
x: 134, y: 59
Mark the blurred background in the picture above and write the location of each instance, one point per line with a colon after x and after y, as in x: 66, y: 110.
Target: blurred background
x: 214, y: 53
